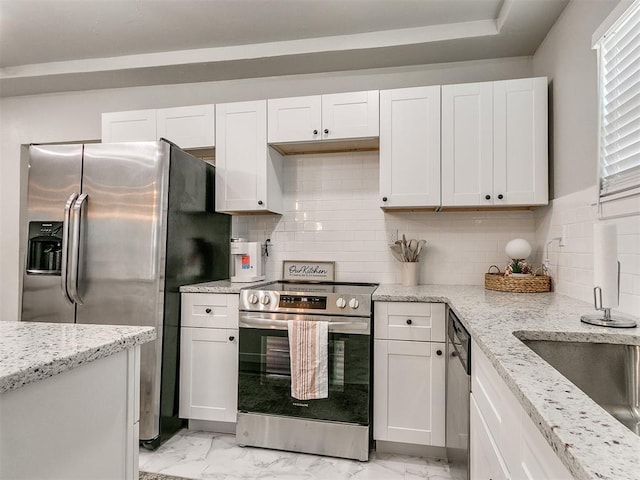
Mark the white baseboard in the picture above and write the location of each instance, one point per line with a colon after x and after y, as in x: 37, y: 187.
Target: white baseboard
x: 208, y: 426
x: 398, y: 448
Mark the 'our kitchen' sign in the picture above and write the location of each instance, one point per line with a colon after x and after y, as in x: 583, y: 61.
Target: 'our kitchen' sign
x: 302, y: 270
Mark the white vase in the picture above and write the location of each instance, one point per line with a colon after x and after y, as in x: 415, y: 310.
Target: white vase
x: 409, y: 273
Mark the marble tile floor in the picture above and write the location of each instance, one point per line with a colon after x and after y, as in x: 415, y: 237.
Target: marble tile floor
x: 212, y: 456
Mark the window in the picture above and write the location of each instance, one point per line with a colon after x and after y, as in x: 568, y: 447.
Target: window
x: 619, y: 104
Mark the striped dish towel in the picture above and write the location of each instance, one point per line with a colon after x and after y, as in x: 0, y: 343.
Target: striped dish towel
x: 309, y: 351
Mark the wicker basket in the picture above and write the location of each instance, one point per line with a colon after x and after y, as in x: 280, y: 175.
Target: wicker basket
x: 529, y: 284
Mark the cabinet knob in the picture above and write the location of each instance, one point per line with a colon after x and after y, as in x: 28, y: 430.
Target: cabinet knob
x: 487, y: 197
x: 208, y: 310
x: 438, y: 352
x: 259, y: 202
x: 384, y: 199
x: 500, y: 197
x: 315, y: 132
x: 409, y: 321
x: 326, y: 130
x: 232, y: 338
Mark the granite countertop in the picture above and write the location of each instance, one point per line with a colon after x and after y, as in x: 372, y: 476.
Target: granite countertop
x: 33, y: 351
x: 221, y: 286
x: 589, y: 441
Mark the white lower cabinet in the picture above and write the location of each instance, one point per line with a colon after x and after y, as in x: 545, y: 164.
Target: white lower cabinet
x: 209, y: 357
x: 80, y: 424
x: 409, y: 373
x: 485, y: 459
x: 505, y: 443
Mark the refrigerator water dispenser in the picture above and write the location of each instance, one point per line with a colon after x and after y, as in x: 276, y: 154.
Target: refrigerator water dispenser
x: 44, y: 254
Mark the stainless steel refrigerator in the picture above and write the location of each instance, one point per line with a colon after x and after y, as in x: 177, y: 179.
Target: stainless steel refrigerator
x: 113, y: 230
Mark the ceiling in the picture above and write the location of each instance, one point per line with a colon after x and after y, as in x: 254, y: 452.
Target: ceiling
x: 65, y: 45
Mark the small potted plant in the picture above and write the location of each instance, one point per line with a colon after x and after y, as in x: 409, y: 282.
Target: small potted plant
x: 408, y: 254
x: 518, y: 250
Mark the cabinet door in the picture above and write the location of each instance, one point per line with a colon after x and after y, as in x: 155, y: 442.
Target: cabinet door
x: 410, y: 147
x: 467, y: 144
x: 187, y: 127
x: 295, y: 119
x: 409, y: 392
x: 538, y: 460
x: 133, y: 126
x: 350, y: 115
x: 209, y: 374
x: 520, y: 142
x: 242, y: 157
x: 485, y: 461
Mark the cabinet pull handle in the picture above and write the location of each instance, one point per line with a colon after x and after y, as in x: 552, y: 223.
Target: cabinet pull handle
x: 438, y: 352
x: 208, y: 310
x: 259, y: 202
x: 232, y: 338
x: 326, y: 130
x: 500, y: 197
x: 384, y: 199
x: 315, y: 132
x: 409, y: 321
x: 487, y: 197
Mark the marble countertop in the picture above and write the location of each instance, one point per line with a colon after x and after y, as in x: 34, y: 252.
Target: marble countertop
x: 589, y: 441
x: 221, y: 286
x: 33, y: 351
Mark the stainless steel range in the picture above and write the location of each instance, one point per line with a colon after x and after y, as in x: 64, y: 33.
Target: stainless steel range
x: 268, y: 415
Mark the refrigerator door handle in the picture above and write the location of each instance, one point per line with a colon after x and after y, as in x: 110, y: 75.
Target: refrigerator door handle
x: 74, y: 263
x: 64, y: 269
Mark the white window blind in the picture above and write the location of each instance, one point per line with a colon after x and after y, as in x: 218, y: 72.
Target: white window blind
x: 619, y: 90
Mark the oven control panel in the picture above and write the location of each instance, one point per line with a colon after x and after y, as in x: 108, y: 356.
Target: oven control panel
x: 300, y: 301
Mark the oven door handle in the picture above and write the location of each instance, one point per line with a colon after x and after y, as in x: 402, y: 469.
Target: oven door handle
x: 247, y: 321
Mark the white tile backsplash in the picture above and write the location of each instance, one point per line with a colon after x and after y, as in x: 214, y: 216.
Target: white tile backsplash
x: 572, y: 264
x: 332, y: 213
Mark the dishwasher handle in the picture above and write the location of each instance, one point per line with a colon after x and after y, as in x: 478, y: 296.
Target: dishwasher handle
x: 460, y: 341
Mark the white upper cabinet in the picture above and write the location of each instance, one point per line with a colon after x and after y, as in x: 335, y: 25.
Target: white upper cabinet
x: 494, y: 143
x: 295, y: 119
x: 520, y: 166
x: 248, y: 172
x: 132, y: 126
x: 324, y: 117
x: 187, y: 127
x: 350, y: 115
x: 410, y: 147
x: 467, y: 144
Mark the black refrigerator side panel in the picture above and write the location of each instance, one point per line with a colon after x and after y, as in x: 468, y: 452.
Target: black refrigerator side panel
x: 197, y: 251
x: 55, y: 173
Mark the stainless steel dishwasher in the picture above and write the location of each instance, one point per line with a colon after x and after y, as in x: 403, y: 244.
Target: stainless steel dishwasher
x: 457, y: 397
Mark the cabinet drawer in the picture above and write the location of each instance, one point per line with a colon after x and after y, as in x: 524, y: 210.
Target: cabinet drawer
x: 209, y: 310
x: 486, y: 461
x: 410, y: 321
x: 499, y: 407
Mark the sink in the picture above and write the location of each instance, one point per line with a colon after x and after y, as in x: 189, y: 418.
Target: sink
x: 608, y: 373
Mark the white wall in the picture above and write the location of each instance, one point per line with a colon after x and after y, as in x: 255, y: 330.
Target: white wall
x: 76, y: 116
x: 566, y: 57
x: 331, y: 212
x: 572, y: 264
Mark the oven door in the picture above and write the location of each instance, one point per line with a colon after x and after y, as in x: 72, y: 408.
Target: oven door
x: 264, y: 374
